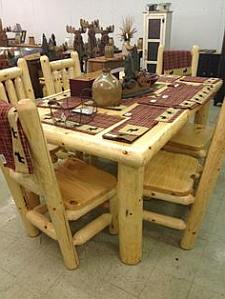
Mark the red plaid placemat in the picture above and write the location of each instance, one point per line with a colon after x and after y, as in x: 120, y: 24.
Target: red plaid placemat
x: 6, y: 146
x: 88, y: 124
x: 176, y: 59
x: 172, y: 96
x: 168, y: 79
x: 200, y: 79
x: 140, y: 116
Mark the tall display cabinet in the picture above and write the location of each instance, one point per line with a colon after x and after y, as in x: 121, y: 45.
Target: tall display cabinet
x: 157, y: 30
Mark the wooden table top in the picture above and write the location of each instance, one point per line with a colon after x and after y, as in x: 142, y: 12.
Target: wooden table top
x: 135, y: 154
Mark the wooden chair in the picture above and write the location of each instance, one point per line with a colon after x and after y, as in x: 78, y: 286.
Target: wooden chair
x: 193, y: 138
x: 171, y: 177
x: 175, y: 62
x: 57, y: 73
x: 15, y: 84
x: 70, y: 191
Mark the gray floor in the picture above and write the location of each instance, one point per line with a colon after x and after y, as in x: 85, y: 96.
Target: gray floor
x: 33, y: 268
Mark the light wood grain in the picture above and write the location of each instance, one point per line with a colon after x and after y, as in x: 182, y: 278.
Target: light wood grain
x: 91, y: 229
x: 131, y: 158
x: 164, y: 220
x: 73, y: 181
x: 193, y: 137
x: 171, y: 173
x: 201, y: 116
x: 207, y: 183
x: 80, y: 183
x: 17, y: 83
x: 183, y: 200
x: 130, y: 206
x: 57, y: 73
x: 44, y: 171
x: 195, y: 58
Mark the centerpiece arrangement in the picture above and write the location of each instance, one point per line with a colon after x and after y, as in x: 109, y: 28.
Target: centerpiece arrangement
x: 135, y: 82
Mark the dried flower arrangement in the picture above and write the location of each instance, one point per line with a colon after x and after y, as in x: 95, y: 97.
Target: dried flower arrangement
x: 127, y: 29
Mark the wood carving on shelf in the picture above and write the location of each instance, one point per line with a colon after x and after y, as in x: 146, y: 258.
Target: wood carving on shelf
x: 93, y: 29
x: 78, y: 43
x: 20, y: 35
x: 3, y: 36
x: 105, y: 38
x: 135, y: 82
x: 51, y: 49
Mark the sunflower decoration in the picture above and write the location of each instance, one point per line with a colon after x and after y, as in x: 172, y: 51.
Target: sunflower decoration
x: 127, y: 29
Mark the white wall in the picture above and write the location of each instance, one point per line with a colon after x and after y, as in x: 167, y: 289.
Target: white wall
x: 199, y: 22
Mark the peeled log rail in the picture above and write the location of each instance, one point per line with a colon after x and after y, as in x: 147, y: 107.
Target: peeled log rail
x: 91, y: 229
x: 164, y: 220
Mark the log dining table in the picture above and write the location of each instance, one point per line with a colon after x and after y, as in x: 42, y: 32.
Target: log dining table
x: 131, y: 158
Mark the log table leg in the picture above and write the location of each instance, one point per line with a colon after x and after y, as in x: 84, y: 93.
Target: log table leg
x: 130, y: 204
x: 201, y: 116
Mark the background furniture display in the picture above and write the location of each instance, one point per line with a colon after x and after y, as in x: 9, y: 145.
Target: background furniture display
x: 71, y: 191
x: 101, y: 62
x: 157, y: 30
x: 208, y: 64
x: 57, y: 73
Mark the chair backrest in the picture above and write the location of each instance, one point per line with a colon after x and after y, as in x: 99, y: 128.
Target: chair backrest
x: 173, y: 62
x: 29, y: 148
x: 57, y: 73
x: 211, y: 170
x: 15, y: 83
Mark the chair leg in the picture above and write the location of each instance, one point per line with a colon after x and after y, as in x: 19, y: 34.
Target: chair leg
x: 193, y: 224
x: 113, y: 206
x: 19, y: 198
x: 64, y: 237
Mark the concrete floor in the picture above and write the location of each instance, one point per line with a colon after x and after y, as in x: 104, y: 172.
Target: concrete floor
x: 33, y: 268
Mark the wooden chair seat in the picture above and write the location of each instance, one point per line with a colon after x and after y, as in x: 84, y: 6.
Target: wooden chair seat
x: 191, y: 139
x: 80, y: 183
x: 171, y: 173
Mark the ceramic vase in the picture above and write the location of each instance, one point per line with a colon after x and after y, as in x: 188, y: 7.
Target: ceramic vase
x: 106, y: 90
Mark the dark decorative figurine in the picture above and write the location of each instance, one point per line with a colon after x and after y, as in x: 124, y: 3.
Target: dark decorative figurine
x: 78, y: 43
x: 93, y: 28
x: 135, y: 82
x: 105, y: 38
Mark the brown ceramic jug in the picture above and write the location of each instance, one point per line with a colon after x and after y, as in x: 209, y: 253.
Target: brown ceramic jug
x: 107, y: 90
